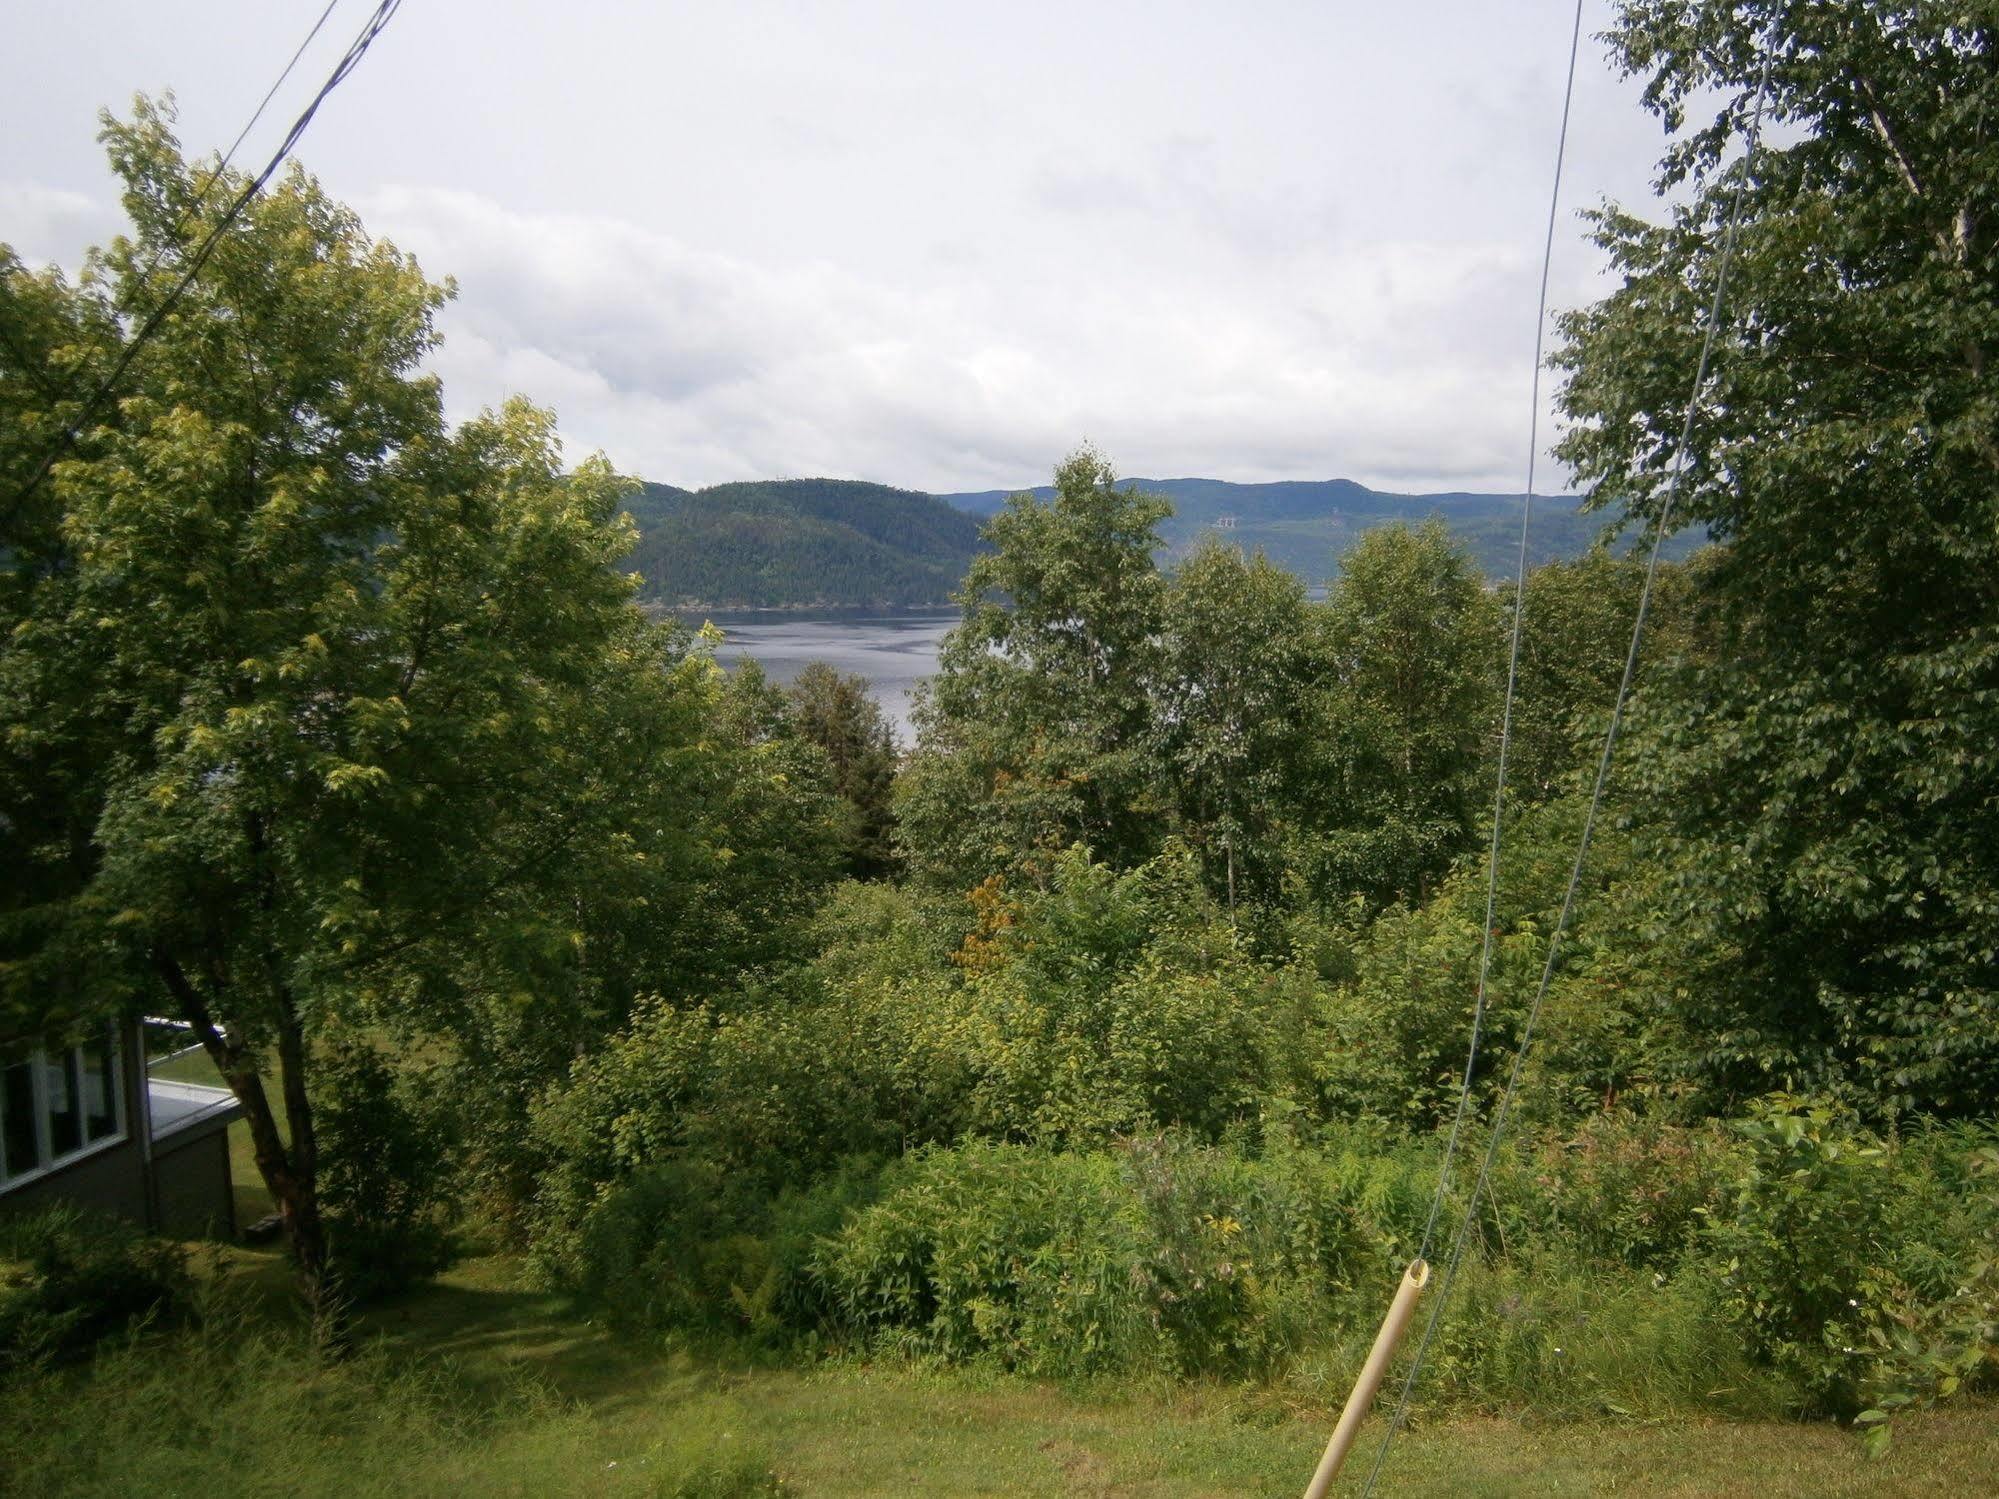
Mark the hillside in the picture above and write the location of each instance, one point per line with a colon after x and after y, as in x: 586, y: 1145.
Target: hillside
x: 1304, y: 525
x: 791, y: 542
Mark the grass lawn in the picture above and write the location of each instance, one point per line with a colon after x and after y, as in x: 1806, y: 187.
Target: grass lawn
x: 478, y: 1385
x: 855, y: 1429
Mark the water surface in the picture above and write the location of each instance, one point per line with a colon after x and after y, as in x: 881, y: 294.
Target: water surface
x: 893, y: 648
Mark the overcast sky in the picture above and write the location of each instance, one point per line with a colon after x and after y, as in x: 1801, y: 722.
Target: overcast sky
x: 934, y: 245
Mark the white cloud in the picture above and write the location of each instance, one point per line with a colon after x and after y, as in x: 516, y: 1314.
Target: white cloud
x: 49, y: 226
x: 1397, y: 362
x: 935, y: 246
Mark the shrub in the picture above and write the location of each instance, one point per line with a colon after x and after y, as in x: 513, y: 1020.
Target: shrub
x: 686, y: 1245
x: 69, y: 1279
x: 1626, y: 1188
x: 1161, y: 1254
x: 385, y: 1177
x: 1806, y: 1246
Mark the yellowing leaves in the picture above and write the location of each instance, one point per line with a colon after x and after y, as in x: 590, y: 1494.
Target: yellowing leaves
x: 355, y: 778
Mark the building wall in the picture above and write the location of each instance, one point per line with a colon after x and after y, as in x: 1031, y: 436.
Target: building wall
x: 193, y: 1189
x: 191, y: 1195
x: 111, y: 1181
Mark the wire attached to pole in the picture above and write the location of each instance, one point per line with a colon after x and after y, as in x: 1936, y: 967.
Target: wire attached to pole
x: 1661, y: 531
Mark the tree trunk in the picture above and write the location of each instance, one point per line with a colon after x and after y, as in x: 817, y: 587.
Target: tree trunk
x: 290, y: 1175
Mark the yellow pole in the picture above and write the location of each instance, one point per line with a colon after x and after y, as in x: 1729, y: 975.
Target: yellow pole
x: 1393, y: 1325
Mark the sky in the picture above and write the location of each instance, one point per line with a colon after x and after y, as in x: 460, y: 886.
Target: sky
x: 931, y: 245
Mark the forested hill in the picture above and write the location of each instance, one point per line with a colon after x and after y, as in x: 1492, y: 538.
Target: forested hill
x: 1304, y: 525
x: 830, y: 542
x: 838, y: 542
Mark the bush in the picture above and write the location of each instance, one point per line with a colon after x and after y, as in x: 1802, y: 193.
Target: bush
x: 1161, y: 1254
x: 384, y: 1181
x: 1804, y: 1246
x: 686, y: 1245
x: 69, y: 1279
x: 1624, y: 1188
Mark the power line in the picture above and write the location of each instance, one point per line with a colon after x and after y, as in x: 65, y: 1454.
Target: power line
x: 200, y: 199
x: 1513, y: 653
x: 1661, y: 531
x: 356, y: 50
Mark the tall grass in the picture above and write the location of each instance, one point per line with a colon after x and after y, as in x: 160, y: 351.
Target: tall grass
x: 241, y: 1407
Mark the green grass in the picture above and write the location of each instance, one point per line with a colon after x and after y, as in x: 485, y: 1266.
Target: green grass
x: 478, y: 1384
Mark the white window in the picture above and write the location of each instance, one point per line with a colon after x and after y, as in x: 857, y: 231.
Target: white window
x: 58, y: 1105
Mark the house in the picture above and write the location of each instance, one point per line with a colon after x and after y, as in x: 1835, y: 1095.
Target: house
x: 92, y: 1124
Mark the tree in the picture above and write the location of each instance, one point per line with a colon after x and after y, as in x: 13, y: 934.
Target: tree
x: 1038, y: 729
x: 836, y: 713
x: 1827, y: 787
x: 314, y: 710
x: 1408, y: 714
x: 1236, y: 680
x: 1574, y: 640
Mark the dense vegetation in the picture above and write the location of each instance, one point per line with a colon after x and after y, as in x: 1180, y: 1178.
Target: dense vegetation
x: 784, y: 542
x: 1303, y: 525
x: 801, y: 542
x: 1114, y: 1030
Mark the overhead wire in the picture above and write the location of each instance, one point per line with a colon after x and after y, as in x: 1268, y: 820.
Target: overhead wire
x: 1512, y: 656
x: 1661, y: 530
x: 349, y: 60
x: 199, y: 200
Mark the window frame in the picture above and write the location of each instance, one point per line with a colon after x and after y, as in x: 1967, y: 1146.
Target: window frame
x: 39, y: 1061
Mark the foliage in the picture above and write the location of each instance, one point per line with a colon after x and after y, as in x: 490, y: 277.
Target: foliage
x: 836, y: 713
x: 785, y: 543
x: 317, y: 710
x: 1825, y: 783
x: 1104, y: 1004
x: 1574, y: 639
x: 1409, y: 640
x: 1862, y: 1268
x: 1155, y: 1256
x: 387, y: 1185
x: 1236, y: 678
x: 684, y: 1245
x: 70, y: 1279
x: 1037, y: 730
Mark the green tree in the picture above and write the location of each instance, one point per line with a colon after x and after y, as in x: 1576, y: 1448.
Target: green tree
x: 1828, y: 785
x: 1235, y: 684
x: 1409, y: 712
x: 314, y: 709
x: 1574, y: 640
x: 837, y: 713
x: 1038, y: 729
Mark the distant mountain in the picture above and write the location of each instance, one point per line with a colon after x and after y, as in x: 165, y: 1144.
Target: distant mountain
x: 840, y: 543
x: 798, y: 542
x: 1305, y: 524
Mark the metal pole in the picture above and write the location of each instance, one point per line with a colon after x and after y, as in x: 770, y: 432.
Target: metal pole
x: 1372, y: 1372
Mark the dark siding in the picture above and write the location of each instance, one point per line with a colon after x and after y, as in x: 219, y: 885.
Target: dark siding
x: 112, y: 1181
x: 193, y: 1186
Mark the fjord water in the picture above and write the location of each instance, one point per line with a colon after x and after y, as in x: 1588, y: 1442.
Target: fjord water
x: 893, y: 648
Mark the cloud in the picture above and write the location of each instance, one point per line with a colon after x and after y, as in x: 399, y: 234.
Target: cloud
x: 47, y: 226
x: 1402, y: 361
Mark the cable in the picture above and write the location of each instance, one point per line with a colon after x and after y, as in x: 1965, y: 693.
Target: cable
x: 1659, y: 535
x: 200, y: 199
x: 356, y: 50
x: 1513, y: 653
